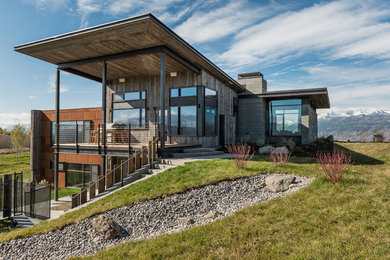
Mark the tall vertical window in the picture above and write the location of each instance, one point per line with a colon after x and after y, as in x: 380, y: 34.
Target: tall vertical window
x: 285, y: 117
x: 129, y: 108
x: 210, y: 121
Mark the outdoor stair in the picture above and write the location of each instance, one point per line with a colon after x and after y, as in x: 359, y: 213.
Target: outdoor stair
x: 196, y: 152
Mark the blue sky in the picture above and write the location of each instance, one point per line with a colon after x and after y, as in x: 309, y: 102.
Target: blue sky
x: 342, y: 45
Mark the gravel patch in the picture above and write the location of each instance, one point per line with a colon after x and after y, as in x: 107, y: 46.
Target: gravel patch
x: 151, y: 218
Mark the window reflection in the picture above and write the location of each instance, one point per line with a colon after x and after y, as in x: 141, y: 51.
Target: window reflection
x: 183, y: 120
x: 135, y: 117
x: 210, y: 121
x: 285, y: 117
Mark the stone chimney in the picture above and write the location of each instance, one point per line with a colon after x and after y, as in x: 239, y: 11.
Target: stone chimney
x: 253, y: 82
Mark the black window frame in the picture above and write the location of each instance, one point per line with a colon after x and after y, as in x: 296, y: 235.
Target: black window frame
x: 134, y: 103
x: 270, y: 117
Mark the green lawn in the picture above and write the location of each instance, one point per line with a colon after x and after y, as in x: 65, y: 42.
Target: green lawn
x: 348, y: 220
x: 65, y: 192
x: 8, y: 164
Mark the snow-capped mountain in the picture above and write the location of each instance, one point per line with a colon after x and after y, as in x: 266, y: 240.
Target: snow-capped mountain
x: 356, y: 125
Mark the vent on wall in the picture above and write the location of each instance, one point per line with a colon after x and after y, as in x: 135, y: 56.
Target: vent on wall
x: 250, y: 75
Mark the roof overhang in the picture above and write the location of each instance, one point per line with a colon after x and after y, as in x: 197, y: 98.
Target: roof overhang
x: 318, y: 97
x: 131, y: 47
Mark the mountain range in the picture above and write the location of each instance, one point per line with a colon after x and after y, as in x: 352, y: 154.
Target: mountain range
x: 355, y: 125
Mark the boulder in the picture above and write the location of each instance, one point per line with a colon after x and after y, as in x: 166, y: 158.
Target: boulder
x: 265, y: 149
x: 278, y: 183
x: 187, y: 221
x: 211, y: 214
x: 106, y: 227
x: 268, y: 149
x: 283, y: 149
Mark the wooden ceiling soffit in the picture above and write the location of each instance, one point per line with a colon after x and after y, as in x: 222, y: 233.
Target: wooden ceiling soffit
x: 128, y: 54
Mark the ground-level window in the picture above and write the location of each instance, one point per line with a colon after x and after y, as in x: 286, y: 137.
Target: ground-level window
x: 135, y: 117
x: 183, y: 120
x: 79, y: 175
x: 285, y: 117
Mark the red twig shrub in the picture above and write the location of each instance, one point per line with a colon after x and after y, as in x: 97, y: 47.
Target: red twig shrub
x: 334, y: 164
x: 279, y: 157
x: 241, y: 154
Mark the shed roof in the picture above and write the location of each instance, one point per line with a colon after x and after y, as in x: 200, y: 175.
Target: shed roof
x: 123, y: 36
x: 318, y: 96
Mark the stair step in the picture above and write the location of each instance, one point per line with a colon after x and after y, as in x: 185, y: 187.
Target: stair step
x: 198, y: 154
x: 198, y: 150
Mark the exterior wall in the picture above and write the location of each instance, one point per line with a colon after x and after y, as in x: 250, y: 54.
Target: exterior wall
x: 42, y: 151
x: 309, y: 127
x: 35, y: 144
x: 251, y: 119
x: 151, y: 84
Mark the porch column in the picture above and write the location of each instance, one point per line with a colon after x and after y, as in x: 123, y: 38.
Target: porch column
x: 104, y: 117
x: 57, y: 135
x: 162, y: 99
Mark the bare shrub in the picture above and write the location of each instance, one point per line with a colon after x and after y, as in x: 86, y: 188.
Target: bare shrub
x: 334, y: 165
x: 241, y: 154
x: 279, y: 157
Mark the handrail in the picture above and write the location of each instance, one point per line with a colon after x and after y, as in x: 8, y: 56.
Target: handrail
x: 78, y: 195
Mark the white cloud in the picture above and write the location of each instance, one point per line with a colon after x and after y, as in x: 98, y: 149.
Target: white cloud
x: 332, y: 29
x: 7, y: 120
x: 31, y: 97
x: 52, y: 85
x: 346, y: 74
x: 119, y: 7
x: 49, y: 4
x: 212, y: 24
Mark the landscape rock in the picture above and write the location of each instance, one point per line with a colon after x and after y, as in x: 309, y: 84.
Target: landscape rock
x: 265, y: 149
x: 211, y: 214
x: 106, y: 227
x: 268, y: 149
x: 147, y: 219
x: 279, y: 183
x: 187, y: 221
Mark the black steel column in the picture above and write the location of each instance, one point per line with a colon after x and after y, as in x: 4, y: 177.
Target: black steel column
x: 104, y: 117
x: 57, y: 136
x: 162, y: 100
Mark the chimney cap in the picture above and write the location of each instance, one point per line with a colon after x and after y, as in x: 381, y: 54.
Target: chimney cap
x: 250, y: 75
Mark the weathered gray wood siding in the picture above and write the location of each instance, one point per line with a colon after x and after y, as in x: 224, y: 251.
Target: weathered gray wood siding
x: 151, y: 84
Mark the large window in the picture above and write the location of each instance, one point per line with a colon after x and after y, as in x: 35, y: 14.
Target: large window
x: 129, y: 108
x: 285, y: 117
x: 183, y: 120
x: 68, y: 131
x: 135, y: 117
x: 79, y: 175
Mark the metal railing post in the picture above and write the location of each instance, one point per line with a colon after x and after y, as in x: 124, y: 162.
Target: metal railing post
x: 129, y: 139
x: 98, y: 141
x: 77, y: 138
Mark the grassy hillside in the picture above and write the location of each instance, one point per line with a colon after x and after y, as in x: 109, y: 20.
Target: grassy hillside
x: 323, y: 221
x: 348, y: 220
x: 8, y: 164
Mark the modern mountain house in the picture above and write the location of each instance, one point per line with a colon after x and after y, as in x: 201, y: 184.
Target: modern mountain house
x: 145, y: 68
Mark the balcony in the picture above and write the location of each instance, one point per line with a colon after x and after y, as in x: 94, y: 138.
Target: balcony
x: 83, y: 137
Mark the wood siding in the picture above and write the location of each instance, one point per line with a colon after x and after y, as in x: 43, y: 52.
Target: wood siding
x: 151, y: 84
